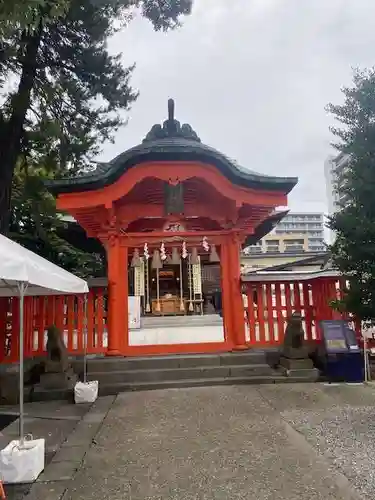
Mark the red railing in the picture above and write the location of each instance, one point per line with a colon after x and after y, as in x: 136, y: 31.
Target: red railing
x: 271, y: 302
x: 65, y: 311
x: 269, y: 305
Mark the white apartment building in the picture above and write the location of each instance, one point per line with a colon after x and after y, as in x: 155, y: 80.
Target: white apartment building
x: 297, y: 232
x: 334, y: 166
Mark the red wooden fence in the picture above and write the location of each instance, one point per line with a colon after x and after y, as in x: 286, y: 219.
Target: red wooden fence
x: 65, y: 311
x: 271, y: 302
x: 269, y: 305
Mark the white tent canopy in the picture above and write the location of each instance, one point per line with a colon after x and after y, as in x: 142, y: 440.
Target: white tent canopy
x: 24, y: 273
x: 19, y: 265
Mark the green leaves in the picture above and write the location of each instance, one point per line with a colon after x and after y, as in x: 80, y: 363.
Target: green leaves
x: 165, y: 14
x: 79, y: 91
x: 35, y: 224
x: 27, y: 14
x: 70, y: 95
x: 353, y: 251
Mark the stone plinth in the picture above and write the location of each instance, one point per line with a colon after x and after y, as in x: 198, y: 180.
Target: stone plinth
x: 58, y: 380
x: 303, y: 368
x: 294, y: 359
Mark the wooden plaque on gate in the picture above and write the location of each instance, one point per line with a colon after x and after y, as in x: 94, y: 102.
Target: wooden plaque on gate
x: 173, y: 199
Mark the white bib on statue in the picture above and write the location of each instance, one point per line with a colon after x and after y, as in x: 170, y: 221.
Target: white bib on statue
x: 134, y: 312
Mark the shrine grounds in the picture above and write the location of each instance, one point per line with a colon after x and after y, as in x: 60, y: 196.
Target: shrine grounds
x: 302, y: 441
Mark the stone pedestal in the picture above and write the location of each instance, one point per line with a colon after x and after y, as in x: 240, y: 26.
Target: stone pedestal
x: 9, y: 390
x: 58, y: 380
x: 293, y: 353
x: 294, y: 359
x: 302, y: 368
x: 296, y: 364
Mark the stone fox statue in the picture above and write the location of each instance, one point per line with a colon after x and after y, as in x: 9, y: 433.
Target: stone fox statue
x: 57, y: 356
x: 294, y: 339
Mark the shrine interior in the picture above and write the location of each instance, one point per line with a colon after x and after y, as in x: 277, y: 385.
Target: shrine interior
x: 176, y: 288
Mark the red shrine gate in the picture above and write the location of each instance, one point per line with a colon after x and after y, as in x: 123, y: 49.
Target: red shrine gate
x: 170, y: 194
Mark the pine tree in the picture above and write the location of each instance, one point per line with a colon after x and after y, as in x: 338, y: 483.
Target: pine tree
x: 353, y: 251
x: 26, y: 14
x: 35, y: 224
x: 69, y: 87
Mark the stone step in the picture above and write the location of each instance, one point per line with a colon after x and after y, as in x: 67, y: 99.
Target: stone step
x: 173, y: 374
x: 173, y: 321
x: 111, y: 389
x: 103, y: 364
x: 116, y: 388
x: 253, y: 356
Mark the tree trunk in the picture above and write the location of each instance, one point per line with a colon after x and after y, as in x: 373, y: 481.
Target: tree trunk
x: 13, y: 128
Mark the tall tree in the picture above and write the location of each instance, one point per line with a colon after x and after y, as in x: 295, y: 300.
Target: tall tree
x: 68, y: 85
x: 36, y: 225
x: 354, y: 224
x: 27, y: 13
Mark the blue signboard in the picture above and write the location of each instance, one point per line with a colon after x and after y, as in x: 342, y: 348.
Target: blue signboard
x: 338, y: 337
x: 344, y: 359
x: 334, y: 336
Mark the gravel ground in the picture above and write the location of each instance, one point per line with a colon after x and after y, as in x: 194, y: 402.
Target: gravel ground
x: 270, y: 442
x: 338, y: 422
x: 345, y: 436
x: 206, y: 443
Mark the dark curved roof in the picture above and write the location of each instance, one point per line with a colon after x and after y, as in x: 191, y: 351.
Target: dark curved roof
x: 264, y: 228
x: 171, y: 142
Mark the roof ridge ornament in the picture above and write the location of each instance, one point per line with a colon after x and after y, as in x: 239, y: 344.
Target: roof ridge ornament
x: 170, y: 110
x: 171, y: 128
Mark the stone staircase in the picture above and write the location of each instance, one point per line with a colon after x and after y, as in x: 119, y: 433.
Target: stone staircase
x: 117, y: 375
x: 181, y: 321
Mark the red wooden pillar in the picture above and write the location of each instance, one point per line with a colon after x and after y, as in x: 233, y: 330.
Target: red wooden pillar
x: 226, y: 296
x: 317, y: 295
x: 118, y: 331
x: 235, y: 295
x: 123, y: 292
x: 251, y: 313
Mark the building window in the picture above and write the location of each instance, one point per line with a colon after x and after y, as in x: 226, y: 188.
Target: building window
x: 294, y: 248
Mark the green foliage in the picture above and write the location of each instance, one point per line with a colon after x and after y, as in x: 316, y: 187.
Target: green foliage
x: 353, y: 251
x: 35, y: 224
x: 27, y: 14
x: 70, y: 96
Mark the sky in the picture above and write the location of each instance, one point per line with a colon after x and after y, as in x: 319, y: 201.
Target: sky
x: 253, y: 78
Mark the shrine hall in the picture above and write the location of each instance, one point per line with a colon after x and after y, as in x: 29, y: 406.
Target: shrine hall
x: 173, y: 215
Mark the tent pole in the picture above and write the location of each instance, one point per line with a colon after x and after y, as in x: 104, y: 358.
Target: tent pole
x: 22, y: 288
x: 366, y: 364
x: 85, y: 339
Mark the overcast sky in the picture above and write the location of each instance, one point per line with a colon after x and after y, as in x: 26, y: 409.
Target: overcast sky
x: 252, y: 77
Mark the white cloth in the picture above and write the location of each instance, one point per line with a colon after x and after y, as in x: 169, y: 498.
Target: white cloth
x: 86, y: 392
x: 245, y: 301
x: 22, y: 464
x: 245, y: 305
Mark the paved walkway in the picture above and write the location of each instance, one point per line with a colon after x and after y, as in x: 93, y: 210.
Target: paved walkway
x: 305, y: 442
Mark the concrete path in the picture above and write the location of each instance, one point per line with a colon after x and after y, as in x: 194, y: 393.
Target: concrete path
x: 305, y: 442
x: 54, y: 421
